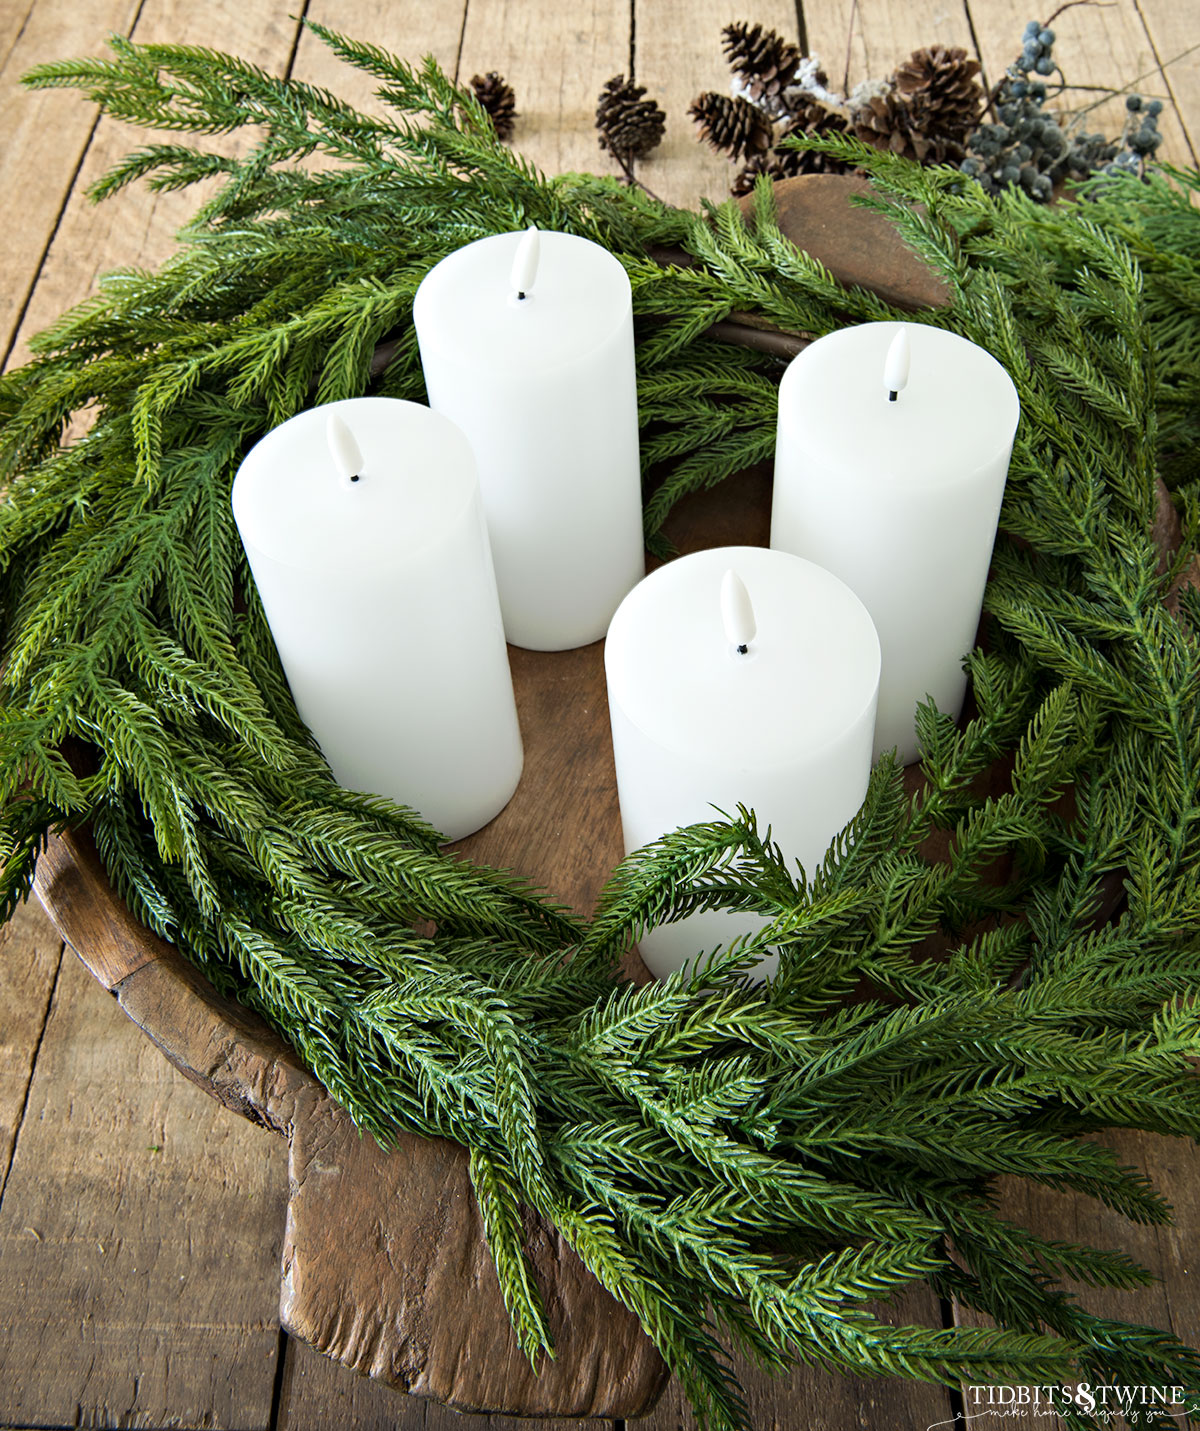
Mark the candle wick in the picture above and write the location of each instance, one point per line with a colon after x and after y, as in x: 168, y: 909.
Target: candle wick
x: 354, y: 477
x: 521, y: 295
x: 893, y: 395
x: 742, y: 650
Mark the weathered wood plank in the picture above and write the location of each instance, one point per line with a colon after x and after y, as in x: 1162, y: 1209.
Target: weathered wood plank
x: 42, y: 173
x: 139, y: 1238
x: 677, y: 56
x: 557, y: 57
x: 867, y: 40
x: 1104, y: 46
x: 1171, y: 26
x: 1171, y: 1252
x: 562, y: 829
x: 821, y: 1401
x: 410, y: 29
x: 385, y: 1266
x: 321, y: 1395
x: 30, y: 954
x: 137, y: 226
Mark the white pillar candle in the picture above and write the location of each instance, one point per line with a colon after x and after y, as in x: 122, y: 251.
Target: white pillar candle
x: 364, y: 530
x: 757, y: 688
x: 527, y: 345
x: 892, y: 451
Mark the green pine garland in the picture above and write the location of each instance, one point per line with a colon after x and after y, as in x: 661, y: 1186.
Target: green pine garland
x: 779, y: 1156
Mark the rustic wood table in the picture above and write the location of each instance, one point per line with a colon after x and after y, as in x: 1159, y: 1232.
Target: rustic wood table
x: 140, y: 1222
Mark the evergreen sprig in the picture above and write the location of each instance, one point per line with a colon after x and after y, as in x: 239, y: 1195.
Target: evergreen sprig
x: 767, y: 1164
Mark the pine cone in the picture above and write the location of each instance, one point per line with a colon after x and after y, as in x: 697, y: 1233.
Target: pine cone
x: 732, y: 126
x: 810, y: 116
x: 944, y: 84
x: 498, y: 99
x: 630, y: 126
x: 890, y: 123
x: 762, y: 59
x: 767, y: 164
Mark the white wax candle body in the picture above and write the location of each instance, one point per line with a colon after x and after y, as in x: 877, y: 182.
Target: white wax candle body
x: 900, y: 499
x: 544, y: 389
x: 382, y: 601
x: 784, y: 729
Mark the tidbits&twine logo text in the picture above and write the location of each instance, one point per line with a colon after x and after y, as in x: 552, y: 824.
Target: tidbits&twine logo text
x: 1137, y: 1405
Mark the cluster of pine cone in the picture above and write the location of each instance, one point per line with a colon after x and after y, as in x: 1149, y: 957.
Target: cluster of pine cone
x: 629, y: 125
x: 925, y: 111
x: 930, y: 110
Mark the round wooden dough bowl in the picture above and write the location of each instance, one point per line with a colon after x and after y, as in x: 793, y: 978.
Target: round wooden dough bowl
x: 385, y: 1266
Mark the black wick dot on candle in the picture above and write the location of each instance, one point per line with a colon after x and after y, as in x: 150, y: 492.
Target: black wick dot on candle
x: 520, y: 294
x: 893, y: 394
x: 354, y: 478
x: 742, y: 650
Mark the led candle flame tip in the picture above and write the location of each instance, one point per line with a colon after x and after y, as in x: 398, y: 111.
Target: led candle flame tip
x: 343, y: 447
x: 896, y: 365
x: 525, y: 264
x: 737, y: 613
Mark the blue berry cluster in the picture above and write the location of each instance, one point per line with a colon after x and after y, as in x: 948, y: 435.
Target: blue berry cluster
x: 1036, y: 56
x: 1141, y: 136
x: 1027, y: 146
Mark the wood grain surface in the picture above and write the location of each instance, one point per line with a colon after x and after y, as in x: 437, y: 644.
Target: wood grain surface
x: 1172, y: 1303
x: 30, y: 958
x: 139, y: 1238
x: 114, y: 1171
x: 385, y: 1266
x: 46, y: 135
